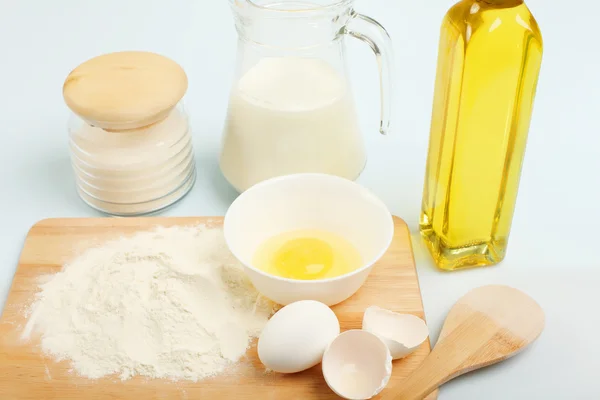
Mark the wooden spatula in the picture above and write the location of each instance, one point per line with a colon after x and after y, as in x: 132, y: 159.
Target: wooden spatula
x: 486, y: 326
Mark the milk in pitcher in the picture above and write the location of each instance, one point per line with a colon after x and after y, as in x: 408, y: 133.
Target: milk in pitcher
x: 290, y: 115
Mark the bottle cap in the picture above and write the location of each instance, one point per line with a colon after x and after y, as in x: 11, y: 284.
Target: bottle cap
x: 125, y: 90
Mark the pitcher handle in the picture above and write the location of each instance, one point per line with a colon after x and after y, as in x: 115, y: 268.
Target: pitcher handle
x: 375, y: 35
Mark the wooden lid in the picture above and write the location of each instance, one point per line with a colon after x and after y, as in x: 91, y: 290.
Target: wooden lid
x: 125, y: 90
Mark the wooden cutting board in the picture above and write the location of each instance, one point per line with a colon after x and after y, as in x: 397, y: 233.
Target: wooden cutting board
x: 26, y: 373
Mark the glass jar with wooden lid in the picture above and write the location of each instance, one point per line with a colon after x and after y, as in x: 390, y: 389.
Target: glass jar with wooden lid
x: 130, y: 138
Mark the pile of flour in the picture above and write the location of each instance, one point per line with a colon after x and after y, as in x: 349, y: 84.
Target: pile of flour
x: 172, y: 303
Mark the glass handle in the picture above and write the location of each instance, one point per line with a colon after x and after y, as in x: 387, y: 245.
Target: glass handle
x: 374, y: 34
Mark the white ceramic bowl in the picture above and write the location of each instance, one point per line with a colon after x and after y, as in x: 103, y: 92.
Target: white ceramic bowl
x: 308, y: 201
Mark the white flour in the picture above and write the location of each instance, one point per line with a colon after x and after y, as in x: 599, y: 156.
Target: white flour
x: 172, y: 303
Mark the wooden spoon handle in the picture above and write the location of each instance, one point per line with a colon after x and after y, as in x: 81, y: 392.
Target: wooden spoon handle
x: 447, y: 361
x: 432, y: 373
x: 486, y: 326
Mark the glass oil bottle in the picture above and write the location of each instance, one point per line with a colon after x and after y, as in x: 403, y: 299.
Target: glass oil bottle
x: 489, y: 59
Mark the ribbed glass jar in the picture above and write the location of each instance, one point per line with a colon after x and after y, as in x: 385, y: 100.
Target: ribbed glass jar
x: 133, y: 171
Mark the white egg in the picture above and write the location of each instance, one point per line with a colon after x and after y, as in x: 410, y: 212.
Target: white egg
x: 295, y: 337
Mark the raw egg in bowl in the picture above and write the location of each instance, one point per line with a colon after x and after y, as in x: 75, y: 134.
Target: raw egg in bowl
x: 308, y: 236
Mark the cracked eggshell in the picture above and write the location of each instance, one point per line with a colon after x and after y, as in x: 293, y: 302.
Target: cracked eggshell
x: 402, y: 333
x: 357, y: 365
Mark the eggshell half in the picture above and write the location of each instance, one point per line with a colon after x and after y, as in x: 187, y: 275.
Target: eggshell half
x: 402, y: 333
x: 357, y: 365
x: 295, y: 338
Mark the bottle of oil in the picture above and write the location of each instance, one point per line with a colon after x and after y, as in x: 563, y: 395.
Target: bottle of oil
x: 489, y: 59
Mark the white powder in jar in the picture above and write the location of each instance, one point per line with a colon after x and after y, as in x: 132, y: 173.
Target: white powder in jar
x: 133, y: 171
x: 171, y: 303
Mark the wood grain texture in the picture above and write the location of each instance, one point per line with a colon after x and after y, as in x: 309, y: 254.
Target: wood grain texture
x: 487, y: 325
x: 26, y: 373
x: 125, y: 90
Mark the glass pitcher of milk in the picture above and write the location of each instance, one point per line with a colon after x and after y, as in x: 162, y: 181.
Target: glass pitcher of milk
x: 291, y: 109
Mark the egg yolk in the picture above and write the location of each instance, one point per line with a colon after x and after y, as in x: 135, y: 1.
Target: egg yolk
x: 304, y: 258
x: 307, y: 255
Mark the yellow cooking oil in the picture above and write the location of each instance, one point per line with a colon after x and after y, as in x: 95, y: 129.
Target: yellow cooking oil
x: 488, y: 63
x: 307, y: 255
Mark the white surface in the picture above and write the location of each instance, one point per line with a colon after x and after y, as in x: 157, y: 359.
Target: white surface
x: 553, y: 248
x: 308, y: 201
